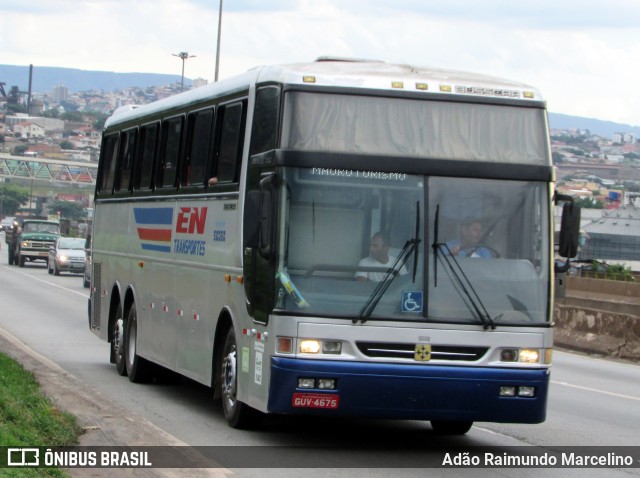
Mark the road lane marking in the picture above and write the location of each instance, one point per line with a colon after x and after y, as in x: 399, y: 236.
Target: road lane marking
x: 81, y: 294
x: 589, y: 389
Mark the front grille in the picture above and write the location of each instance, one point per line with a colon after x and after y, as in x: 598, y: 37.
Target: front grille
x: 407, y: 351
x: 39, y: 245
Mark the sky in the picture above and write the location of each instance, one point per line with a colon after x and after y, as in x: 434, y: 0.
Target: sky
x: 584, y: 56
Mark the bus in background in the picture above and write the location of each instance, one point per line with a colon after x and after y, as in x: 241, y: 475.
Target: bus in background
x: 298, y: 238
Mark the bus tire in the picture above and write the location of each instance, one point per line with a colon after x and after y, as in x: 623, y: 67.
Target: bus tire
x: 117, y: 343
x: 239, y: 415
x: 450, y: 427
x: 139, y: 369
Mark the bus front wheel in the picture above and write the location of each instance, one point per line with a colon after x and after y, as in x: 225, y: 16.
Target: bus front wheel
x: 238, y: 414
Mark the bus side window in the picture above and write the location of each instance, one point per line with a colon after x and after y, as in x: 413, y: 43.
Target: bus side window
x: 231, y: 138
x: 127, y: 151
x: 198, y: 148
x: 108, y: 163
x: 146, y: 156
x: 265, y: 120
x: 171, y: 142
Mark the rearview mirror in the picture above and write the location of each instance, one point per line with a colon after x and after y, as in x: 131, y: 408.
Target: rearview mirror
x: 569, y: 230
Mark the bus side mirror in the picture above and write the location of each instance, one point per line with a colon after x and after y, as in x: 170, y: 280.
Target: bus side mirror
x: 265, y: 242
x: 258, y: 225
x: 251, y: 221
x: 569, y: 230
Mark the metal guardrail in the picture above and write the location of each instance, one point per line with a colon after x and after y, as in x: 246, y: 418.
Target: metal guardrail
x: 45, y: 169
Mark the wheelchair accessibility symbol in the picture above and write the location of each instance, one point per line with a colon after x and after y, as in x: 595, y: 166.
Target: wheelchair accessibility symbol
x: 411, y: 301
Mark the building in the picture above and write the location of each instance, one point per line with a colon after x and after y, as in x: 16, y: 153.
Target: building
x: 59, y: 93
x: 613, y: 236
x: 28, y: 130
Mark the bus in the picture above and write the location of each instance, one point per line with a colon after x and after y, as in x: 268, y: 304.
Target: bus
x: 290, y: 238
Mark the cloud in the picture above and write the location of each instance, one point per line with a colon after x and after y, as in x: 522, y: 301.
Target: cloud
x: 582, y: 58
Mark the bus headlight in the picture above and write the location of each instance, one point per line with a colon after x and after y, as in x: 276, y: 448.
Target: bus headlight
x: 527, y: 355
x: 315, y: 346
x: 331, y: 347
x: 309, y: 346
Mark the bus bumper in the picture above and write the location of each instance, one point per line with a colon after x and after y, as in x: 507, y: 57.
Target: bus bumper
x: 416, y: 392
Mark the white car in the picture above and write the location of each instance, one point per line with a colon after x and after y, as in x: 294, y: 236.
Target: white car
x: 67, y: 255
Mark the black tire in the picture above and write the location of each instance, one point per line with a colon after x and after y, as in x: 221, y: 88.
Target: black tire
x: 239, y: 415
x: 49, y: 269
x: 56, y: 271
x: 451, y: 428
x: 139, y: 370
x: 85, y: 282
x: 117, y: 343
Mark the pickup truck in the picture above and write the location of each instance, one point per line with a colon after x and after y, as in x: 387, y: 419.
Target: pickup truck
x: 30, y: 240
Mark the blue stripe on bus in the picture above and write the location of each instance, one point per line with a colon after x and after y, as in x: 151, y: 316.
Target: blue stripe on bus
x: 156, y: 215
x: 412, y: 392
x: 155, y: 247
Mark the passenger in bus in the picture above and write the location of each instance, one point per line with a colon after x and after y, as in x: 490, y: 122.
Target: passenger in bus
x: 468, y: 245
x: 378, y: 257
x: 212, y: 181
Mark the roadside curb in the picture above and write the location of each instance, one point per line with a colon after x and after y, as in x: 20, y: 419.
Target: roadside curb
x: 105, y: 423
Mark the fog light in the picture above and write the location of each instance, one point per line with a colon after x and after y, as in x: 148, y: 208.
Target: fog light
x: 526, y: 391
x: 326, y: 384
x: 509, y: 355
x: 329, y: 347
x: 309, y: 346
x: 507, y: 391
x: 306, y: 383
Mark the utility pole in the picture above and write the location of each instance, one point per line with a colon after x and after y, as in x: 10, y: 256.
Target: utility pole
x: 218, y: 46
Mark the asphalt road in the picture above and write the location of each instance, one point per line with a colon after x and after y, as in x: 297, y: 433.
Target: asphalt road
x: 593, y: 402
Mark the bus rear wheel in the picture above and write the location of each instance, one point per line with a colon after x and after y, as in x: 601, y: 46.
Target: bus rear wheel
x: 451, y: 428
x: 139, y: 369
x: 238, y: 414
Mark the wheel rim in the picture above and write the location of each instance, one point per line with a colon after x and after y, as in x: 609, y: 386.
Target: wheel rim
x: 229, y: 379
x: 117, y: 340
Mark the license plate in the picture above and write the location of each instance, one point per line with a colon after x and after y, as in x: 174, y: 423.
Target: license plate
x: 315, y: 400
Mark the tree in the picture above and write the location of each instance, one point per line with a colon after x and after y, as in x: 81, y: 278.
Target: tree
x: 558, y: 157
x: 20, y: 149
x: 11, y: 198
x: 68, y: 209
x: 589, y: 203
x: 66, y: 145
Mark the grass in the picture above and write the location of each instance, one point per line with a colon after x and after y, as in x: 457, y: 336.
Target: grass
x: 29, y: 419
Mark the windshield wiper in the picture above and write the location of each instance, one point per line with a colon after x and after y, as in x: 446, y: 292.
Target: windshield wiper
x: 410, y: 247
x: 466, y: 289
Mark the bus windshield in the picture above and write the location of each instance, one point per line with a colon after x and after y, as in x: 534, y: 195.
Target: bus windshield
x: 415, y: 127
x: 356, y: 244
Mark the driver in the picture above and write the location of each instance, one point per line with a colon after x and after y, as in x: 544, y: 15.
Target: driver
x: 468, y: 245
x: 378, y: 257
